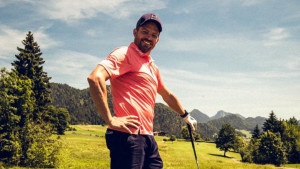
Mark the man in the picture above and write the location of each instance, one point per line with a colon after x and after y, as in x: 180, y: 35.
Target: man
x: 135, y: 81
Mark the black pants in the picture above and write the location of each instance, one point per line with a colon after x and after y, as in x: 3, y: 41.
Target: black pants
x: 128, y: 151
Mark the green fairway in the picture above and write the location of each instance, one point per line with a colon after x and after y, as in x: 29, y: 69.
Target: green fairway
x: 85, y: 148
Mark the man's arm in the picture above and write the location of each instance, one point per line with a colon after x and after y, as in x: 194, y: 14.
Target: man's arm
x: 171, y: 100
x: 174, y: 103
x: 99, y: 95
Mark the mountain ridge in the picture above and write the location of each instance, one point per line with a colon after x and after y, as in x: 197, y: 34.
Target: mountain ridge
x: 83, y: 111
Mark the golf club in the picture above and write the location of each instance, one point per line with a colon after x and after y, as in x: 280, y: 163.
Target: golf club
x: 192, y: 140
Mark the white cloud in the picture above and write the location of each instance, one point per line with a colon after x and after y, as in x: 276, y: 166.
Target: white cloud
x: 251, y: 94
x: 71, y: 67
x: 230, y: 45
x: 11, y: 38
x: 236, y: 48
x: 73, y: 10
x: 233, y: 79
x: 43, y: 39
x: 91, y: 33
x: 276, y: 35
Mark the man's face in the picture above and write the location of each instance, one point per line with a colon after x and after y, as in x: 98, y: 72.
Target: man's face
x: 146, y: 37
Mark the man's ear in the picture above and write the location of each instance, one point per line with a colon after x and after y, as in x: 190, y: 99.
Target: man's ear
x: 134, y: 32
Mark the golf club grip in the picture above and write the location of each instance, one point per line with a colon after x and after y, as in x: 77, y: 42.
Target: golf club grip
x: 193, y: 145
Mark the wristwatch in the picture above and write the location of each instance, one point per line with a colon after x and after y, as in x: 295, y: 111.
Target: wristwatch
x: 185, y: 114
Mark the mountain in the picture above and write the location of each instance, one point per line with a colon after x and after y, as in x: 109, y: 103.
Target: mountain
x: 232, y: 119
x: 257, y: 120
x: 222, y: 113
x: 167, y: 120
x: 199, y: 116
x: 219, y: 114
x: 83, y: 111
x: 78, y: 102
x: 207, y: 130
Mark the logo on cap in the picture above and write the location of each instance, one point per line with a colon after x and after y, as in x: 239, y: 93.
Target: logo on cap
x: 153, y: 16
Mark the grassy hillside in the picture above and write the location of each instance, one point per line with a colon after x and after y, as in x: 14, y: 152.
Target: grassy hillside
x: 86, y: 148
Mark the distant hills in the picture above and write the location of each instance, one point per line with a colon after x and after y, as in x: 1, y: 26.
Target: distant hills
x: 82, y: 111
x: 78, y: 103
x: 203, y: 118
x: 199, y: 116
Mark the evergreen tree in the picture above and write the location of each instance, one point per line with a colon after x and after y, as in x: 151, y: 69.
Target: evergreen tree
x: 29, y: 65
x: 25, y: 135
x: 279, y: 144
x: 271, y: 123
x: 226, y: 138
x: 16, y: 107
x: 271, y: 150
x: 291, y: 141
x: 293, y: 121
x: 256, y: 132
x: 248, y: 153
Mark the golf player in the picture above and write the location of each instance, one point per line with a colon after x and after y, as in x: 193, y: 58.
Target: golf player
x: 135, y: 81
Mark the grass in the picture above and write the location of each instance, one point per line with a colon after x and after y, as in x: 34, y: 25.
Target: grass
x: 292, y: 165
x: 246, y: 132
x: 85, y: 148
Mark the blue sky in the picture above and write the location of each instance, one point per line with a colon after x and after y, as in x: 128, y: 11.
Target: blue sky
x: 240, y: 56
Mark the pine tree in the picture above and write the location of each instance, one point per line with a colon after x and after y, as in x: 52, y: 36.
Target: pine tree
x: 293, y: 121
x: 271, y: 150
x: 256, y: 132
x: 29, y: 65
x: 16, y: 107
x: 271, y: 124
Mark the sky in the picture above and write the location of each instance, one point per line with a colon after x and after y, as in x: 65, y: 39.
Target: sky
x: 239, y: 56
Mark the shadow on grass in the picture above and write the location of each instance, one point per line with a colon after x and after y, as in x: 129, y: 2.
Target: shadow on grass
x: 218, y: 155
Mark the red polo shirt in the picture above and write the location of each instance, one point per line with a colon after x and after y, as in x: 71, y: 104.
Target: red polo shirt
x: 134, y: 80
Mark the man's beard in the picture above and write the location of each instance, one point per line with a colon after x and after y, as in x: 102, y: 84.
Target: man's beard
x: 145, y: 47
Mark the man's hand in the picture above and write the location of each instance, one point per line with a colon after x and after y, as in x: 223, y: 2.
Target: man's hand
x: 191, y: 121
x: 124, y: 122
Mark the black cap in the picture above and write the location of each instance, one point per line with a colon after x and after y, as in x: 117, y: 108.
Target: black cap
x: 149, y: 17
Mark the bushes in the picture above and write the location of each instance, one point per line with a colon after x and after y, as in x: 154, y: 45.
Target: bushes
x: 42, y: 150
x: 268, y: 149
x: 279, y: 144
x: 33, y: 148
x: 10, y: 151
x: 23, y: 141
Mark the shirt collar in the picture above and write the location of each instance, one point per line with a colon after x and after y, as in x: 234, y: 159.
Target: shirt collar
x: 140, y: 53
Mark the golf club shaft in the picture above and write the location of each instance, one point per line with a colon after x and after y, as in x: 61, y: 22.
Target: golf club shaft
x: 192, y: 140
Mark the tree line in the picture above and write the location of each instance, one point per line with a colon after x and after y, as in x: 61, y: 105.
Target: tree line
x: 27, y: 120
x: 278, y: 143
x: 79, y: 104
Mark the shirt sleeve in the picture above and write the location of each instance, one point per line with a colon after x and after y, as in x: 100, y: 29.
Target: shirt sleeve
x: 116, y: 63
